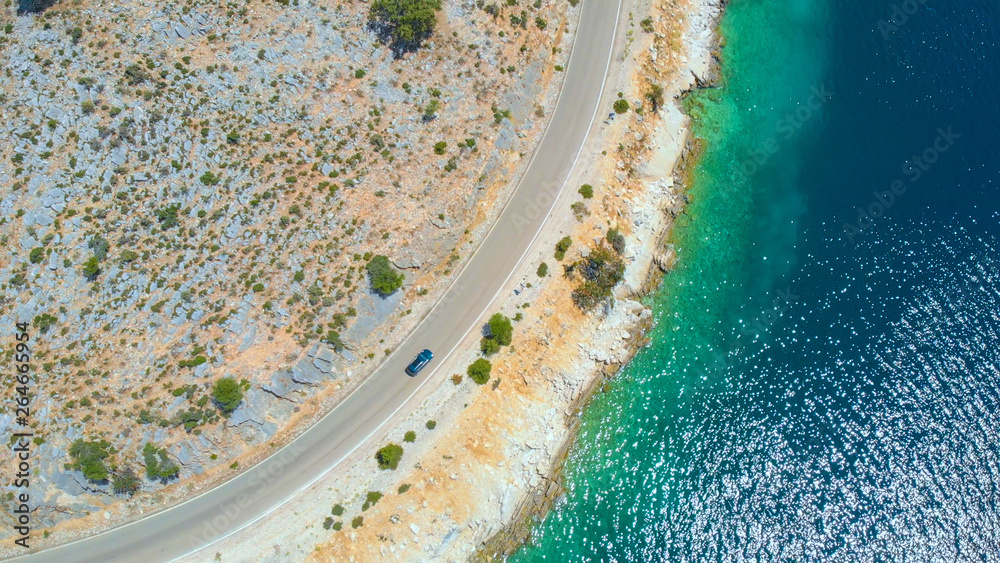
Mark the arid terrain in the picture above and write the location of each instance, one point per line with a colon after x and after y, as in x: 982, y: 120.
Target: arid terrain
x: 480, y: 462
x: 194, y: 191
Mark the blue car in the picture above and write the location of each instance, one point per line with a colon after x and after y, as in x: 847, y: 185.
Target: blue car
x: 419, y: 363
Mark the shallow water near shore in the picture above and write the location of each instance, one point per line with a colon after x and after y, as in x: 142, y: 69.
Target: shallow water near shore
x: 823, y: 383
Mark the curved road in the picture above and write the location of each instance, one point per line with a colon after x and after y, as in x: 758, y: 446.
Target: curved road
x: 196, y: 523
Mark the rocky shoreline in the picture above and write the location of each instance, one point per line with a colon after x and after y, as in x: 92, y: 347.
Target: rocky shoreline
x: 533, y: 508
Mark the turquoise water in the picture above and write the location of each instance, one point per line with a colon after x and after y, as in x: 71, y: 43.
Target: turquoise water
x: 819, y: 386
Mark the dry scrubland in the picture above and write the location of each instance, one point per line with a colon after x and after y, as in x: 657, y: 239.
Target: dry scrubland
x: 477, y: 461
x: 192, y: 191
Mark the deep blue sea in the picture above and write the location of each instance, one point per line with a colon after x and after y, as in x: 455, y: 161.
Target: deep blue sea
x: 823, y: 382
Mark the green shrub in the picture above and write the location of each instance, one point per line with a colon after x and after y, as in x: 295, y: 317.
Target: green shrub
x: 167, y: 216
x: 209, y: 179
x: 404, y: 24
x: 227, y: 394
x: 431, y: 424
x: 488, y: 346
x: 338, y: 510
x: 383, y: 278
x: 403, y: 488
x: 479, y: 371
x: 91, y: 268
x: 358, y: 522
x: 388, y: 456
x: 87, y: 106
x: 410, y: 436
x: 125, y: 482
x: 36, y: 255
x: 562, y: 246
x: 370, y: 500
x: 601, y: 272
x: 616, y: 239
x: 135, y: 74
x: 89, y: 456
x: 360, y: 73
x: 333, y: 339
x: 587, y: 191
x: 159, y: 466
x: 439, y: 147
x: 543, y: 270
x: 621, y: 106
x: 500, y: 329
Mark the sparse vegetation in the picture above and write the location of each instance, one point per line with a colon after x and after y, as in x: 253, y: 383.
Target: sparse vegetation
x: 601, y: 271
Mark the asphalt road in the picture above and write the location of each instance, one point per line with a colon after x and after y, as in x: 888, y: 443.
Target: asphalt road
x: 182, y: 529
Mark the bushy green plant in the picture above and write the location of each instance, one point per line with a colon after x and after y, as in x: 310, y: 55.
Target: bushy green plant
x: 616, y: 239
x: 227, y: 394
x: 543, y: 270
x: 621, y: 106
x: 601, y: 271
x: 89, y: 456
x: 403, y: 24
x: 159, y: 466
x: 125, y: 482
x: 370, y: 499
x: 383, y: 278
x: 479, y: 371
x: 388, y: 456
x: 562, y: 246
x: 587, y: 191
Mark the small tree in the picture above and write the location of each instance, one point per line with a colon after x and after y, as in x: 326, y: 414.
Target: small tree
x: 621, y: 106
x: 587, y: 191
x: 159, y: 466
x: 89, y: 457
x: 388, y: 456
x: 543, y: 270
x: 227, y: 394
x: 500, y: 329
x: 403, y: 24
x: 488, y: 346
x: 91, y: 268
x: 125, y: 482
x: 562, y: 246
x: 601, y: 272
x: 616, y: 239
x: 479, y: 371
x: 383, y: 278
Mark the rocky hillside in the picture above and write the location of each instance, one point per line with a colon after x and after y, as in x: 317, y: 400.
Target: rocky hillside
x: 193, y: 190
